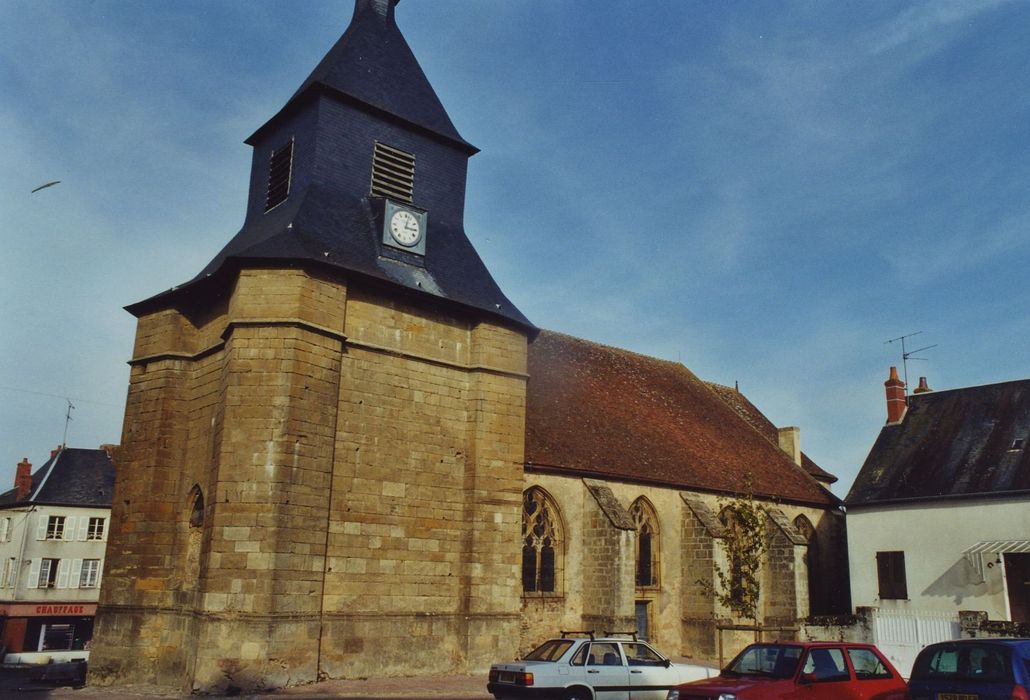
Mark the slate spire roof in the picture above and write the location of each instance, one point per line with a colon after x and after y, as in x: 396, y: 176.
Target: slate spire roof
x: 957, y: 443
x: 72, y: 476
x: 372, y: 63
x: 368, y: 89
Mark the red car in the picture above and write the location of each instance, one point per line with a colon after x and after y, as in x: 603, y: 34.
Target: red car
x: 802, y: 671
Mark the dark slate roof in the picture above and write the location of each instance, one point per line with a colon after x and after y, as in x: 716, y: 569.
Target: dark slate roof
x: 373, y: 64
x: 72, y: 477
x: 599, y: 411
x: 951, y: 444
x: 320, y: 226
x: 749, y: 412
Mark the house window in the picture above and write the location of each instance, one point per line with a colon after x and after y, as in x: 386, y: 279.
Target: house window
x: 55, y: 527
x: 280, y: 172
x: 48, y: 573
x: 393, y: 173
x: 95, y: 531
x: 890, y: 573
x: 8, y: 576
x: 646, y: 521
x: 90, y: 575
x: 541, y: 543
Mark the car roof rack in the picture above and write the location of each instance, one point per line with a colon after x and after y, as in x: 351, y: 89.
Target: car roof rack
x: 577, y: 633
x: 629, y: 633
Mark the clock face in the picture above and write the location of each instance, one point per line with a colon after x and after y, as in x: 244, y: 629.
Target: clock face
x: 404, y: 227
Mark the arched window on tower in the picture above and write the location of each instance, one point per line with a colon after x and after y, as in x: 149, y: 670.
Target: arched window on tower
x: 541, y: 543
x: 193, y: 541
x: 196, y: 507
x: 645, y: 519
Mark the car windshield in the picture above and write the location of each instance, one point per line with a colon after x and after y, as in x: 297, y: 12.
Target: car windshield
x: 551, y: 650
x: 773, y: 660
x: 965, y: 662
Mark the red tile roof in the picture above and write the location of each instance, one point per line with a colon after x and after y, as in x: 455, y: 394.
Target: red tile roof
x: 749, y: 412
x: 594, y: 410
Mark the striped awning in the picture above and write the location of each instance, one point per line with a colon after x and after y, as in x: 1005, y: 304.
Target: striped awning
x: 975, y: 554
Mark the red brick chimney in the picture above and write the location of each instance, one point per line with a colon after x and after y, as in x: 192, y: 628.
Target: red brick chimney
x: 23, y: 480
x: 923, y: 387
x: 896, y: 404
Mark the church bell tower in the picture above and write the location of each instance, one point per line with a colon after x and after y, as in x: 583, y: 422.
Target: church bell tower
x: 322, y: 458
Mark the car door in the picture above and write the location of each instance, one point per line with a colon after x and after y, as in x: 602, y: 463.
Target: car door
x: 825, y: 675
x: 874, y: 679
x: 650, y: 676
x: 606, y: 672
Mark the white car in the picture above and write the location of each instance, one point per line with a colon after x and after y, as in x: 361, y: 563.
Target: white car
x: 592, y: 668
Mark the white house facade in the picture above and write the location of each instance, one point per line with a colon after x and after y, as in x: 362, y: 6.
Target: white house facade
x: 53, y: 535
x: 939, y: 516
x: 956, y: 555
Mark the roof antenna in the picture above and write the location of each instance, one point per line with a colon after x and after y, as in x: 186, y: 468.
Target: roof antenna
x: 909, y: 354
x: 67, y: 419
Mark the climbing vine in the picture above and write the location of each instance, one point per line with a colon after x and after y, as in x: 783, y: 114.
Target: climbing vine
x: 738, y: 586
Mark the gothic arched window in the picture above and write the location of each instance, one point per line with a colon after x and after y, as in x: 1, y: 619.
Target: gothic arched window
x: 646, y: 522
x: 196, y: 507
x: 816, y: 601
x: 541, y: 543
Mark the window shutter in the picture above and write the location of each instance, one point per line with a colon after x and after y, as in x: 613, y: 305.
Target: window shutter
x: 83, y: 528
x: 69, y: 528
x: 898, y: 571
x: 12, y: 582
x: 76, y: 576
x: 42, y: 521
x: 62, y: 573
x: 5, y: 525
x: 34, y: 573
x: 103, y: 529
x: 100, y: 572
x: 890, y: 575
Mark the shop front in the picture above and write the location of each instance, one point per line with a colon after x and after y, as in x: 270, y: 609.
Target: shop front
x: 42, y: 632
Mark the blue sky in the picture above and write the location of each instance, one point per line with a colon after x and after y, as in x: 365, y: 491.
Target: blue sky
x: 765, y: 192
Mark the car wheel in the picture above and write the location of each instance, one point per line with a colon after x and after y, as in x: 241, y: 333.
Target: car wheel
x: 577, y: 694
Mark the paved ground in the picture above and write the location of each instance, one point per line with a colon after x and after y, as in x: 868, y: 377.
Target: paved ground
x: 427, y: 688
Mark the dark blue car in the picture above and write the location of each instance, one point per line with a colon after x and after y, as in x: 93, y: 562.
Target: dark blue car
x: 972, y: 669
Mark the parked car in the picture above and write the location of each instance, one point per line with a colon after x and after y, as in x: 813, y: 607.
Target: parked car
x: 972, y: 669
x: 801, y: 671
x: 589, y: 667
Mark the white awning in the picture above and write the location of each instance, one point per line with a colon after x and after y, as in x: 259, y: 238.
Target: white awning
x: 975, y: 554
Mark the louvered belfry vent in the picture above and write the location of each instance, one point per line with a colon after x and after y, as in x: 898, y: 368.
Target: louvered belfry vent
x: 393, y: 173
x: 280, y: 170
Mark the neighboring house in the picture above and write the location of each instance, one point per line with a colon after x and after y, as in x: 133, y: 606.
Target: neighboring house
x: 939, y: 515
x: 53, y: 533
x: 350, y: 454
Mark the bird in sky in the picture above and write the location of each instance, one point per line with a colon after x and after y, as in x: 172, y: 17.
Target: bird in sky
x: 43, y: 187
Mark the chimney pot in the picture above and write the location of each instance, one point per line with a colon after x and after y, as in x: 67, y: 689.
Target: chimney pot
x: 923, y: 387
x: 896, y: 400
x: 23, y: 479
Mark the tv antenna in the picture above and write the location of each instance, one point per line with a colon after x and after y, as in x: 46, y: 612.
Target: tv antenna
x: 67, y: 420
x: 907, y: 355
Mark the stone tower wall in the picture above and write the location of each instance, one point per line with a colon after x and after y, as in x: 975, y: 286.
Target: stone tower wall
x: 360, y: 462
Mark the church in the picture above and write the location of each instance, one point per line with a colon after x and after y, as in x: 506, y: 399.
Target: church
x: 346, y: 453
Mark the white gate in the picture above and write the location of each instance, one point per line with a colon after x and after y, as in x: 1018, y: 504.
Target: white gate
x: 901, y: 634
